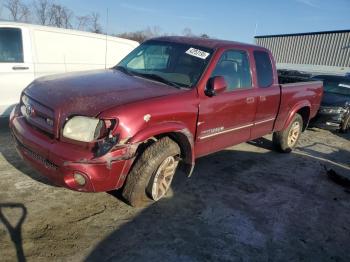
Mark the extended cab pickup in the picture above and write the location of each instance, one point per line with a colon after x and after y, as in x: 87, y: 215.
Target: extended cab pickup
x: 170, y: 101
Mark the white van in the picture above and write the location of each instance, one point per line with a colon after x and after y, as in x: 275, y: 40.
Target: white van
x: 30, y: 51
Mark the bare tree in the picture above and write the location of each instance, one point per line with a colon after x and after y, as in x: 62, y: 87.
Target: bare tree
x: 60, y: 16
x: 13, y: 7
x: 95, y: 23
x: 83, y: 22
x: 25, y: 14
x: 18, y: 10
x: 42, y: 11
x: 141, y: 36
x: 187, y: 32
x: 136, y: 36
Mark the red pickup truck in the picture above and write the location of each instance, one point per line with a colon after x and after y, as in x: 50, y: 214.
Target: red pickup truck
x: 168, y: 102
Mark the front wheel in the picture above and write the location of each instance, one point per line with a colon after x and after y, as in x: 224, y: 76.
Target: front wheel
x: 152, y: 174
x: 286, y: 140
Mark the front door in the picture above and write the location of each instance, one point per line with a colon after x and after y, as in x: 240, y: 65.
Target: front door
x: 227, y: 119
x: 16, y: 66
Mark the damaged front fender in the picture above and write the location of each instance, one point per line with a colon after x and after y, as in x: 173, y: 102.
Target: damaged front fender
x: 117, y: 153
x: 176, y: 131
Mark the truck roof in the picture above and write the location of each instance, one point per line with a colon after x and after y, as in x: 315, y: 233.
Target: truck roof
x: 206, y: 42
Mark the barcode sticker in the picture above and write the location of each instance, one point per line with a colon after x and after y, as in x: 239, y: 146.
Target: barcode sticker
x: 197, y: 53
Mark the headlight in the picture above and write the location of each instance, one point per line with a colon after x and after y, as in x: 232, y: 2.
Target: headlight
x: 25, y: 99
x: 332, y: 110
x: 84, y: 129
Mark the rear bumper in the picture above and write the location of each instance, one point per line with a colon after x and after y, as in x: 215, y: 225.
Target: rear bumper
x: 59, y: 161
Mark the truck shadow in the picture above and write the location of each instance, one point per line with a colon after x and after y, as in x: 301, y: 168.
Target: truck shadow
x: 8, y: 150
x: 14, y: 227
x: 234, y: 208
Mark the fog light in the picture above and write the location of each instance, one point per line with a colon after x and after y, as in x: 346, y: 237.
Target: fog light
x: 79, y: 179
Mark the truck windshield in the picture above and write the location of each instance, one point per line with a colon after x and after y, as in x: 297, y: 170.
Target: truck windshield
x: 179, y: 65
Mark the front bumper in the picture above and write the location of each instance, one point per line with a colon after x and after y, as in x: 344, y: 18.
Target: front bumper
x: 59, y: 161
x: 328, y: 121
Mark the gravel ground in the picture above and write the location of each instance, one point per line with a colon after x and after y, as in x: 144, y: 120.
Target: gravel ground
x: 245, y: 203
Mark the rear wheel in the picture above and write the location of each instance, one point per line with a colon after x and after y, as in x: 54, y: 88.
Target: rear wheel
x: 152, y: 174
x: 286, y: 140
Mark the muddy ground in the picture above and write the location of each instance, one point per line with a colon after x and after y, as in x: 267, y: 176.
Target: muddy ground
x: 246, y: 203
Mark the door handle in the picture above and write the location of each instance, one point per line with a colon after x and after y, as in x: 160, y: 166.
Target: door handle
x: 250, y: 100
x: 20, y: 68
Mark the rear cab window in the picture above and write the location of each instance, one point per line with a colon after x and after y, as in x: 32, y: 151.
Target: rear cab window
x: 264, y: 70
x: 11, y: 46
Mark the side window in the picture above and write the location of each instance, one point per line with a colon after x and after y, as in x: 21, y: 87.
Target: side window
x: 11, y: 48
x: 263, y: 68
x: 153, y: 58
x: 234, y: 67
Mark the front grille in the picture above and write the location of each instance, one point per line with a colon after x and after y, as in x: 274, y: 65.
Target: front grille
x: 48, y: 164
x: 38, y: 115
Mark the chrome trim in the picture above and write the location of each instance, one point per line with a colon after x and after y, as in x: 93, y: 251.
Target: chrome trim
x: 226, y: 131
x: 237, y: 128
x: 264, y: 121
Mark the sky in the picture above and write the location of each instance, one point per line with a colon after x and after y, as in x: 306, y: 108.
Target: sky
x: 225, y: 19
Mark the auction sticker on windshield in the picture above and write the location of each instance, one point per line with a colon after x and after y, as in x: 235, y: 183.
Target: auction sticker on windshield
x: 197, y: 53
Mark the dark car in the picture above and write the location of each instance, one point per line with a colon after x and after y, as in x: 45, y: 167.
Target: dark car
x: 334, y: 112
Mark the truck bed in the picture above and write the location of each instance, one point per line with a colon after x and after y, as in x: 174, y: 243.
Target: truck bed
x: 301, y: 93
x: 292, y: 76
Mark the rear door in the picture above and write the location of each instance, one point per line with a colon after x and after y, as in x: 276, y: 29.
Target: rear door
x: 16, y: 66
x: 268, y: 94
x: 227, y: 119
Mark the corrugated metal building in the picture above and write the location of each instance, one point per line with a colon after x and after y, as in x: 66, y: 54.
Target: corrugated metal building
x: 325, y: 52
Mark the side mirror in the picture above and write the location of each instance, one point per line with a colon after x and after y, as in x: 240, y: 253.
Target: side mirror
x: 216, y: 85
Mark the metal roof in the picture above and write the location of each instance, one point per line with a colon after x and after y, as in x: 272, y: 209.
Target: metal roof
x: 306, y: 33
x: 326, y: 51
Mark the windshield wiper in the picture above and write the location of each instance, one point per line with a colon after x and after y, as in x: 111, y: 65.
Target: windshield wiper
x: 160, y: 79
x: 124, y: 70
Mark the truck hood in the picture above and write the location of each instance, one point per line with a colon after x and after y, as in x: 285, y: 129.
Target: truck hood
x: 90, y: 93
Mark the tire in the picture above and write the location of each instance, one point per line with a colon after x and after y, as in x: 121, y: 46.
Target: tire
x: 286, y: 140
x: 154, y: 168
x: 345, y: 125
